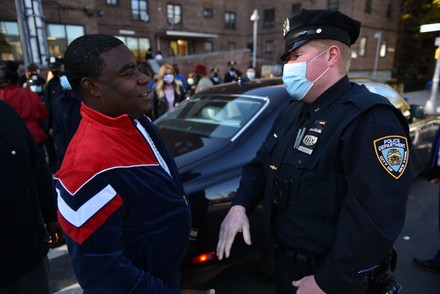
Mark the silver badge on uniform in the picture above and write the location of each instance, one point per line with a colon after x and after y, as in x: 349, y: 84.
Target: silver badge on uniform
x: 310, y: 140
x: 286, y: 27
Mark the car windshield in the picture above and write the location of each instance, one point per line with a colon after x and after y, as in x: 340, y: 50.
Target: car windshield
x: 214, y: 116
x: 390, y: 94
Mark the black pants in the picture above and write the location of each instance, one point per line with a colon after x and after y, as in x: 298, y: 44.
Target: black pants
x: 287, y: 271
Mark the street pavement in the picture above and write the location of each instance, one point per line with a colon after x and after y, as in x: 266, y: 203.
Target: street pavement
x: 419, y: 238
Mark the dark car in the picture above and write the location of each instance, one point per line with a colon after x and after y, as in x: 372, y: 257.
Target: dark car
x: 214, y: 133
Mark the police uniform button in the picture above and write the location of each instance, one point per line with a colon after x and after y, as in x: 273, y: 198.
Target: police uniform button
x: 299, y: 161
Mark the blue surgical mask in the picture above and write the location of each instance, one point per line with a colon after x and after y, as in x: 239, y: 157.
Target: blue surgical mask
x: 250, y: 74
x: 295, y: 81
x: 168, y: 78
x: 65, y: 83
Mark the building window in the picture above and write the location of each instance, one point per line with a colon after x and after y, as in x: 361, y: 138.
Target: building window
x: 59, y: 37
x: 269, y: 18
x: 268, y: 47
x: 208, y: 13
x: 383, y: 48
x: 139, y: 10
x: 363, y: 46
x: 296, y: 8
x: 174, y: 14
x: 230, y: 20
x: 232, y: 45
x: 208, y: 46
x: 179, y: 47
x: 138, y: 46
x: 368, y: 6
x: 333, y: 4
x: 111, y: 2
x: 389, y: 13
x: 10, y: 41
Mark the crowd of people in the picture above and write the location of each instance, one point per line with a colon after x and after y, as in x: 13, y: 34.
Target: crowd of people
x: 169, y: 87
x: 49, y: 108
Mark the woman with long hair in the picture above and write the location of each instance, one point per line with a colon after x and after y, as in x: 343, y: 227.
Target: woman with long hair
x: 167, y: 92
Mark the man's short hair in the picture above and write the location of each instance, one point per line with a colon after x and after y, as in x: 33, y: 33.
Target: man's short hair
x: 83, y: 58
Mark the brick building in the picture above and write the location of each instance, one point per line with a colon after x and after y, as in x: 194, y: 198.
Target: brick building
x: 203, y: 31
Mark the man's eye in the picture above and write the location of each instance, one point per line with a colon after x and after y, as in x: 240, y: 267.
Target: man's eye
x: 129, y: 73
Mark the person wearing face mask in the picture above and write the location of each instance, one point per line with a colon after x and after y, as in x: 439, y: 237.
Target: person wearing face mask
x: 32, y: 80
x: 52, y: 90
x: 66, y: 118
x: 250, y: 72
x: 333, y: 173
x: 215, y: 76
x: 192, y: 81
x: 234, y: 74
x: 167, y: 92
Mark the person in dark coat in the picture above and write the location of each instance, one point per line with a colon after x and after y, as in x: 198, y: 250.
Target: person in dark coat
x: 28, y: 217
x: 52, y: 90
x: 433, y: 264
x: 66, y: 118
x: 333, y: 173
x: 234, y: 74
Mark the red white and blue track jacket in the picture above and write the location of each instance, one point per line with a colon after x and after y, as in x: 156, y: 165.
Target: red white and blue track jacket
x: 122, y: 207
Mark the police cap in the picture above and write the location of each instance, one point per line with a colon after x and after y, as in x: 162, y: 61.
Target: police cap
x: 318, y: 24
x: 54, y: 61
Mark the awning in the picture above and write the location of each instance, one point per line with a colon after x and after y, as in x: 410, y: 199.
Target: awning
x: 190, y: 34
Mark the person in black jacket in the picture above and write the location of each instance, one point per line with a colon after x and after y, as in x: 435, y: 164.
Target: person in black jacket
x: 433, y: 264
x: 28, y: 217
x: 333, y: 172
x: 66, y: 118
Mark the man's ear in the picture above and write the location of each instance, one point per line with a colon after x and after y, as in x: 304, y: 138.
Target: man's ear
x: 90, y: 87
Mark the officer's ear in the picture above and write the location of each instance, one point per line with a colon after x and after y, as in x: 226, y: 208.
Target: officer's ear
x: 334, y: 54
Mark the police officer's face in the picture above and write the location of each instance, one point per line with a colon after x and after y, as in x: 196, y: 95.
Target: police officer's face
x: 121, y: 88
x: 315, y: 64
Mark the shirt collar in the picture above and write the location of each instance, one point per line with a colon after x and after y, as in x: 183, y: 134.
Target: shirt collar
x: 330, y: 95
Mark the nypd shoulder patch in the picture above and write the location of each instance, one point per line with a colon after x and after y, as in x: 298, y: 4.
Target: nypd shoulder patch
x: 392, y: 153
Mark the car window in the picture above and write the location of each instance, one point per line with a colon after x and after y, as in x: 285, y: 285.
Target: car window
x: 390, y: 94
x: 212, y: 116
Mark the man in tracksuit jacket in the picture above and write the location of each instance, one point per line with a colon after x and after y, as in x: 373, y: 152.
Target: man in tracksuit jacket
x: 121, y: 203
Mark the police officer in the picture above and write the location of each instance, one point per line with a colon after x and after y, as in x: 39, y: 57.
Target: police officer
x: 333, y: 172
x: 234, y: 74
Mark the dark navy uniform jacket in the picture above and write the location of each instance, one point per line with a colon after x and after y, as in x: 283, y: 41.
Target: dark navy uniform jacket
x: 347, y: 160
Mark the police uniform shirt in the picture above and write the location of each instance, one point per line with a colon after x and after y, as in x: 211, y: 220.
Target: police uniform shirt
x: 372, y: 211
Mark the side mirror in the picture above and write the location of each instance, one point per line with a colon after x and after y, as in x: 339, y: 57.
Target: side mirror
x: 417, y: 111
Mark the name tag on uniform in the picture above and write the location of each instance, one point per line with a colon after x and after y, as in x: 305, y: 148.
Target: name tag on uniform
x: 311, y: 137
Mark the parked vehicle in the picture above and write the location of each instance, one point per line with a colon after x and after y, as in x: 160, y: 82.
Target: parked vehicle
x: 215, y: 132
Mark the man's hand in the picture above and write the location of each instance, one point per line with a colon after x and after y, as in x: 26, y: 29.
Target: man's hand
x: 435, y: 181
x: 307, y: 285
x: 56, y: 234
x: 236, y: 221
